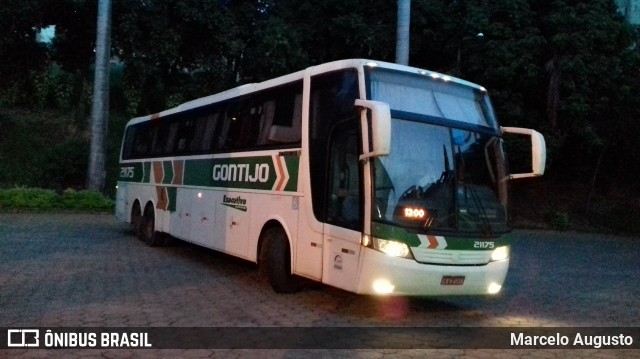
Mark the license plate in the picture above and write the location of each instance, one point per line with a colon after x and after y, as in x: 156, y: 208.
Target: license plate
x: 452, y: 280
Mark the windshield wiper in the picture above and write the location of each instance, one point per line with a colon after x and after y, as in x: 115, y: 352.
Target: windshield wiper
x: 485, y: 227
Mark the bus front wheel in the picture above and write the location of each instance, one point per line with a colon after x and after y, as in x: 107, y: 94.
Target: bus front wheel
x: 148, y: 228
x: 275, y: 261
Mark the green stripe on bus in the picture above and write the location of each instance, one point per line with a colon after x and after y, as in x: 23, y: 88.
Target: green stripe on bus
x: 198, y: 173
x: 293, y: 163
x: 146, y: 177
x: 172, y: 194
x: 258, y: 172
x: 386, y: 231
x: 457, y: 243
x: 168, y: 172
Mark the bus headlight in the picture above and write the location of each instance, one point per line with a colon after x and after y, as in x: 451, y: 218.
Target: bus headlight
x: 383, y: 286
x: 392, y: 248
x: 494, y: 288
x: 500, y: 253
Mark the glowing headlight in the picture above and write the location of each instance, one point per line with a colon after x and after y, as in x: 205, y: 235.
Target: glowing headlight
x: 500, y: 253
x: 383, y: 286
x: 392, y: 248
x: 494, y: 288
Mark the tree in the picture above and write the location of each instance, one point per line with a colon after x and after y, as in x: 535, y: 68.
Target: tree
x: 565, y: 67
x: 402, y: 32
x: 22, y: 55
x: 96, y: 174
x: 175, y: 51
x: 584, y: 61
x: 73, y: 50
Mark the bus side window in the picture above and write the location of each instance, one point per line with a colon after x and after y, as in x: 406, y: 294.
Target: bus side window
x: 248, y: 128
x: 287, y: 124
x: 266, y: 121
x: 129, y: 141
x: 208, y: 132
x: 198, y: 133
x: 156, y: 143
x: 220, y: 141
x: 281, y: 118
x: 143, y: 138
x: 185, y: 135
x: 239, y: 124
x: 171, y: 138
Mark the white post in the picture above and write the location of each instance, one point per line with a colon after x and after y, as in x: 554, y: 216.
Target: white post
x: 96, y: 174
x: 402, y: 34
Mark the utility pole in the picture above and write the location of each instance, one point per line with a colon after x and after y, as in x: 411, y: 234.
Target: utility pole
x: 97, y: 173
x: 402, y: 32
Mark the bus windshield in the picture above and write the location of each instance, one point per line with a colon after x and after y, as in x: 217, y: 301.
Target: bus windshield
x: 434, y: 99
x: 445, y: 174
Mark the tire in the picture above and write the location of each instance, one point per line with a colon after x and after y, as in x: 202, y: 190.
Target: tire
x: 275, y: 261
x: 148, y: 231
x: 136, y: 220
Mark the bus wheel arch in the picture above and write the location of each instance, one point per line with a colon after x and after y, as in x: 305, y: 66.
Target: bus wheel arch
x: 148, y: 231
x: 136, y: 218
x: 274, y: 258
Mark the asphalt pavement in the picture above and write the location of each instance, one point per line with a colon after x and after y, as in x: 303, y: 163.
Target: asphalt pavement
x: 88, y: 270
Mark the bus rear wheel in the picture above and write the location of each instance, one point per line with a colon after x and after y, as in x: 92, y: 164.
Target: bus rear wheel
x: 275, y: 261
x: 136, y: 220
x: 148, y: 231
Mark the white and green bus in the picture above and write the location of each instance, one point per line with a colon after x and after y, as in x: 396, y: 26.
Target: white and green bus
x: 372, y: 177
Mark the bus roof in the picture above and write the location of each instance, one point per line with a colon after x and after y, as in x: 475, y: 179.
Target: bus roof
x: 314, y: 70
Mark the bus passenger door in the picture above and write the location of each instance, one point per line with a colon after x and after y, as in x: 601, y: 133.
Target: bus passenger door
x: 344, y: 220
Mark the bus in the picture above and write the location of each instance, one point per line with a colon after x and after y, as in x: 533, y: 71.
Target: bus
x: 371, y: 177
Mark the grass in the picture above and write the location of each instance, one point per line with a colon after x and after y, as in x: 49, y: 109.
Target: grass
x: 38, y: 199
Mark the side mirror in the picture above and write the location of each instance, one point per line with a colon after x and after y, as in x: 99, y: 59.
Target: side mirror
x: 380, y: 127
x: 538, y: 151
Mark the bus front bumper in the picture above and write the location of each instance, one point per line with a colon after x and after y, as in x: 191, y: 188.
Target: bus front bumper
x: 382, y: 274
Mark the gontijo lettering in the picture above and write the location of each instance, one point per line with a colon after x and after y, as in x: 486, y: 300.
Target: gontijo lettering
x: 241, y: 172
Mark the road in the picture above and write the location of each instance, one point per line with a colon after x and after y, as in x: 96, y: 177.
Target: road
x: 87, y: 270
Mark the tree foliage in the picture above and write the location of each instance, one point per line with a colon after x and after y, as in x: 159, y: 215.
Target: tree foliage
x: 22, y: 56
x: 569, y: 68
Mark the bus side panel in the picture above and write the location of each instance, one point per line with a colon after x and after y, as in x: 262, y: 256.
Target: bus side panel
x: 232, y: 220
x: 308, y: 247
x: 201, y: 220
x: 123, y: 205
x: 181, y: 217
x: 163, y: 221
x: 341, y: 257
